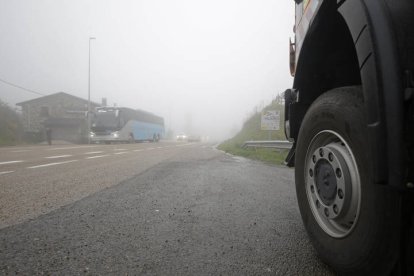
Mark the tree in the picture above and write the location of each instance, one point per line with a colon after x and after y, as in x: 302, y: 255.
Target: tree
x: 11, y: 128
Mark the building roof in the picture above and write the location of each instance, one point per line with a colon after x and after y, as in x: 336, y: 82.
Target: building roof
x: 54, y: 95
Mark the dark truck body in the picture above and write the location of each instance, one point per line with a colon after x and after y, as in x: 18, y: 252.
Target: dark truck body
x: 367, y: 44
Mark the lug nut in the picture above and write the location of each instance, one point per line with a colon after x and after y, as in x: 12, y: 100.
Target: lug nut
x: 321, y: 152
x: 314, y: 158
x: 335, y: 208
x: 330, y: 156
x: 312, y: 189
x: 311, y: 172
x: 340, y: 194
x: 338, y: 172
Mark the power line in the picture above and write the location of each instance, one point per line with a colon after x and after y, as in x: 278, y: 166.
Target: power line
x: 20, y: 87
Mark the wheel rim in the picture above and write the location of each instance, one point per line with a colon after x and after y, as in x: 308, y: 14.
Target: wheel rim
x: 333, y: 184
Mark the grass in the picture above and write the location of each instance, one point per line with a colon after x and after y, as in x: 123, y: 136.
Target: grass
x: 251, y: 131
x: 267, y: 155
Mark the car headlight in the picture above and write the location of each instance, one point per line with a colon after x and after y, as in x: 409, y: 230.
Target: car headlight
x: 115, y: 134
x: 91, y: 134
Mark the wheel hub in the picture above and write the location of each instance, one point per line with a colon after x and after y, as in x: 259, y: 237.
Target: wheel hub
x: 325, y: 181
x: 333, y: 185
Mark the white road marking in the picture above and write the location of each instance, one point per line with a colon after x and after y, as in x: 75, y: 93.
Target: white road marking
x: 96, y: 156
x: 51, y: 164
x: 11, y: 162
x: 58, y: 156
x: 93, y: 152
x: 159, y: 147
x: 121, y: 152
x: 80, y: 147
x: 138, y: 150
x: 120, y: 149
x: 17, y: 151
x: 6, y: 172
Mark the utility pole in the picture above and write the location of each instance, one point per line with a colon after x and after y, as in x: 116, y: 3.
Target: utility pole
x: 89, y: 92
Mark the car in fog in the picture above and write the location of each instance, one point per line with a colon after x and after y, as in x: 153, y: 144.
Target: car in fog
x: 181, y: 137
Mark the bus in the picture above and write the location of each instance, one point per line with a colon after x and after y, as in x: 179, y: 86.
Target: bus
x: 121, y: 124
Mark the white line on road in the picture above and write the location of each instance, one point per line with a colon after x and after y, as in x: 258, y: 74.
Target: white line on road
x: 80, y: 147
x: 58, y: 156
x: 138, y: 150
x: 93, y: 152
x: 11, y: 162
x: 121, y: 152
x: 17, y: 151
x: 51, y: 164
x: 96, y: 156
x: 6, y: 172
x: 159, y: 147
x: 120, y: 149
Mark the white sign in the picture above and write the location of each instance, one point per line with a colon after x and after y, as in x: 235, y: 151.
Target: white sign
x: 270, y: 120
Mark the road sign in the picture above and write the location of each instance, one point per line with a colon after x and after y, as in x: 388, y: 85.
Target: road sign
x: 270, y: 120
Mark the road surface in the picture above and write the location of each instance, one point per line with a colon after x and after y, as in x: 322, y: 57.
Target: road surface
x: 153, y: 209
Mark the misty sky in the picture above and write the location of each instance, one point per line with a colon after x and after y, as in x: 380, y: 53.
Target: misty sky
x: 202, y: 65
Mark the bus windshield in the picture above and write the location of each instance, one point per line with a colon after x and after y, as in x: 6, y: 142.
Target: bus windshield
x: 105, y: 120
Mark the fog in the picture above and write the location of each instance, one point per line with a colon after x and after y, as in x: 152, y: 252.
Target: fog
x: 202, y: 65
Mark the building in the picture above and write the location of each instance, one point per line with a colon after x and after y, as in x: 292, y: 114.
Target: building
x: 62, y: 113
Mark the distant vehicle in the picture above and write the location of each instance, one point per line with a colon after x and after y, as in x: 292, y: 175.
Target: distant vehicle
x: 194, y: 138
x: 181, y: 137
x: 121, y: 124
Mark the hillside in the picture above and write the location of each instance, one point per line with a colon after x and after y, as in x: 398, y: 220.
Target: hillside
x: 251, y: 130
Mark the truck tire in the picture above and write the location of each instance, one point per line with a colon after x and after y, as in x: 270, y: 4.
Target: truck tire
x: 354, y: 224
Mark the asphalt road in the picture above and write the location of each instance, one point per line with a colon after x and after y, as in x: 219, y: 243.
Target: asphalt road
x: 35, y: 180
x: 153, y: 209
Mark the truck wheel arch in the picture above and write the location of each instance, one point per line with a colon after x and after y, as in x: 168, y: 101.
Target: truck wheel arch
x: 376, y: 68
